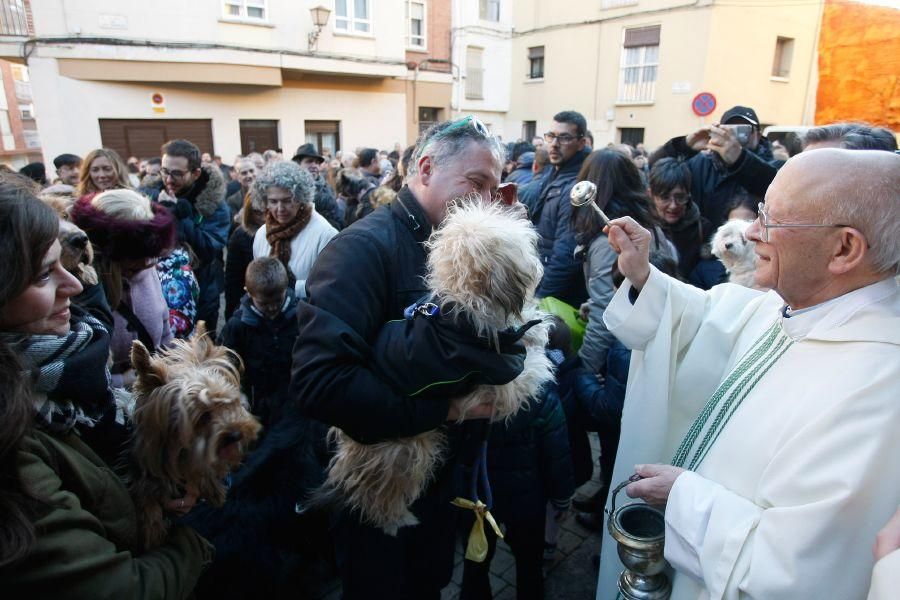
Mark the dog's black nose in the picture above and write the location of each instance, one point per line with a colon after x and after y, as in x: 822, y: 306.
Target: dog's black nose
x: 728, y: 246
x: 79, y: 240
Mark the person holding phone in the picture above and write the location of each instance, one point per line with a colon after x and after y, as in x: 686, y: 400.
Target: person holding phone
x: 725, y: 158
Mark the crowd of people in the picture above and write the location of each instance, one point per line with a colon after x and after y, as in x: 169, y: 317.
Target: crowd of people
x: 777, y: 400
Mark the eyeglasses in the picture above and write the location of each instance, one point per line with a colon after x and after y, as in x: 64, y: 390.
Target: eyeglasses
x: 469, y: 120
x: 766, y: 225
x: 165, y: 174
x: 679, y: 199
x: 563, y: 138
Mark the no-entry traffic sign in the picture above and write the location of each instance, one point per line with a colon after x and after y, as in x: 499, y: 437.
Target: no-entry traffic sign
x: 703, y: 104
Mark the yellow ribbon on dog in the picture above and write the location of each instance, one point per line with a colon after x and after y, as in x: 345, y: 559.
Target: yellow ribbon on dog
x: 477, y: 548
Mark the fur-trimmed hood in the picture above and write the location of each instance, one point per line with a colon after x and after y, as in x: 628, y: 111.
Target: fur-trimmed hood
x: 208, y: 192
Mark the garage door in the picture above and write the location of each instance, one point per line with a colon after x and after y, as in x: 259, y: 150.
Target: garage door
x: 144, y: 137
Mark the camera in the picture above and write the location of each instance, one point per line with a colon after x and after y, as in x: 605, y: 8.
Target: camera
x: 741, y: 132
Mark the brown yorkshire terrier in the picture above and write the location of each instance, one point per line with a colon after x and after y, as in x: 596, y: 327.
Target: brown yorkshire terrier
x: 191, y: 426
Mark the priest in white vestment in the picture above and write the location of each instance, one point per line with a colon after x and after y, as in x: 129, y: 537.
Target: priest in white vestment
x: 768, y: 423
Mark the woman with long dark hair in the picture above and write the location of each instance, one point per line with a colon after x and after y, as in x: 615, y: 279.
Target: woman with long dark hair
x: 68, y: 527
x: 620, y: 192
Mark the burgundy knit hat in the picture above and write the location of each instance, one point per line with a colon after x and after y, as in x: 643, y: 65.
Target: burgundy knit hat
x: 120, y: 239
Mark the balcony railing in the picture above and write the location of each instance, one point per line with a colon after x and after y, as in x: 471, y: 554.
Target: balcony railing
x: 14, y: 18
x: 474, y: 83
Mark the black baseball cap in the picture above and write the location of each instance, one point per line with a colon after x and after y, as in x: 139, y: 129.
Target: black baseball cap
x: 741, y: 112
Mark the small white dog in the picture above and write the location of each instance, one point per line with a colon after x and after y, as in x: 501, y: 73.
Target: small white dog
x: 731, y: 246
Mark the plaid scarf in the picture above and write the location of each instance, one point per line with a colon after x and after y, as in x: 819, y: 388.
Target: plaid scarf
x: 69, y: 373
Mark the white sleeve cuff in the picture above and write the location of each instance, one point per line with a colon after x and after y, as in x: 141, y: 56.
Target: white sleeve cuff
x: 636, y: 324
x: 707, y: 526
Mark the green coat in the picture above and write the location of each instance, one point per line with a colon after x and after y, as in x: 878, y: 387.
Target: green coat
x: 87, y: 534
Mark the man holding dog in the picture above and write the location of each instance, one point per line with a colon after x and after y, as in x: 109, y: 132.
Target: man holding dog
x: 366, y: 276
x: 777, y: 411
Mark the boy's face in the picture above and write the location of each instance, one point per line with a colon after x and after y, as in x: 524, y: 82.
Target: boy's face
x: 268, y: 303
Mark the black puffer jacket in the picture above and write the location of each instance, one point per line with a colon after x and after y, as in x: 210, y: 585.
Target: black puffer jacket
x: 528, y: 458
x: 551, y: 213
x: 713, y: 185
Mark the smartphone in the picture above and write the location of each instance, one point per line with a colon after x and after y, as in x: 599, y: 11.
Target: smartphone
x: 741, y: 132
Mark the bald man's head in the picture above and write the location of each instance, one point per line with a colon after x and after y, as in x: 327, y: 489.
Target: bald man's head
x: 857, y: 188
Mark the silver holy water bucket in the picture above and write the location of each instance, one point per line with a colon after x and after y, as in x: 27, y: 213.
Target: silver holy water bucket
x: 639, y: 530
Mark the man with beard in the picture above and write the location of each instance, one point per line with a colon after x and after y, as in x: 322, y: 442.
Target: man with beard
x: 196, y: 196
x: 326, y: 205
x: 365, y: 277
x: 548, y: 201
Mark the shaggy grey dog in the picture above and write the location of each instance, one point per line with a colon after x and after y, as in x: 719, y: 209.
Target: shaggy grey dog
x: 483, y: 266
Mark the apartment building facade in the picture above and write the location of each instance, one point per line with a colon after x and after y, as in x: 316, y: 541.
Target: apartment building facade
x: 20, y: 143
x: 482, y: 50
x: 237, y: 75
x: 634, y: 67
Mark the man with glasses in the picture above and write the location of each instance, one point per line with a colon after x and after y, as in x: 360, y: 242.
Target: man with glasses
x: 196, y: 196
x: 724, y: 161
x: 365, y: 277
x: 547, y: 199
x: 771, y: 417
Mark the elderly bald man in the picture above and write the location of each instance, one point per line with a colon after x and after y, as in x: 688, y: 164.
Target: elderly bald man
x: 777, y: 412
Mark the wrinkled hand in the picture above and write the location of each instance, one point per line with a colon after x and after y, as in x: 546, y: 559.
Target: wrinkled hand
x: 888, y: 539
x: 479, y: 411
x: 656, y: 484
x: 698, y: 139
x: 723, y: 142
x: 632, y: 243
x: 182, y: 506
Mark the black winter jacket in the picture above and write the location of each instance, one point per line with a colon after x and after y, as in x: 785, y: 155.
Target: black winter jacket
x: 551, y: 214
x: 528, y: 460
x: 239, y: 257
x: 366, y: 276
x: 265, y: 347
x: 713, y: 186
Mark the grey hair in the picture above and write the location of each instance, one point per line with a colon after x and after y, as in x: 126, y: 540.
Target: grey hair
x: 288, y: 175
x: 852, y: 136
x: 875, y: 211
x: 444, y: 146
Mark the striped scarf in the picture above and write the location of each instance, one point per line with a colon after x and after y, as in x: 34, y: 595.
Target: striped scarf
x: 719, y: 409
x: 69, y: 373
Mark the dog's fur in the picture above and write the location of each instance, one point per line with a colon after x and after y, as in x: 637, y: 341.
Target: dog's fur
x: 482, y: 266
x: 77, y: 253
x: 188, y: 407
x: 731, y: 246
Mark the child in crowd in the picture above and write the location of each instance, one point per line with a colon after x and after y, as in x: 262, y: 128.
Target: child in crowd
x: 262, y: 331
x: 532, y: 481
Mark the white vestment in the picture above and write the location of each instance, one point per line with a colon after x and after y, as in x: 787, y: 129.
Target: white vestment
x: 800, y: 472
x: 886, y: 578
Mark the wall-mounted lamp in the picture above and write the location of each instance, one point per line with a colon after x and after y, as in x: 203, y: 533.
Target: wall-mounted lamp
x: 320, y: 19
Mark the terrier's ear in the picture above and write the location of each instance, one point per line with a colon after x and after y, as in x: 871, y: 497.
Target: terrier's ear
x: 200, y: 329
x: 150, y: 375
x: 201, y: 342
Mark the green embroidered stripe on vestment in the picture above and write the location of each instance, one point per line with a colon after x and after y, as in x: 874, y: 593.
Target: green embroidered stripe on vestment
x: 763, y: 353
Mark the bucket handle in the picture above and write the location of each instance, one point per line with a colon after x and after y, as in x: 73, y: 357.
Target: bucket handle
x: 619, y: 487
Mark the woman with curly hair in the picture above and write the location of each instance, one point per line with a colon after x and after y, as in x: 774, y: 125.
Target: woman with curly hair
x: 102, y: 169
x: 294, y: 232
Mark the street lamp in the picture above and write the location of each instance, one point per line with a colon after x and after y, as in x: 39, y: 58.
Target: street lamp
x: 320, y: 19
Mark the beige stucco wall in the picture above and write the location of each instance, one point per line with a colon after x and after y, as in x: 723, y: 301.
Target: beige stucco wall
x: 371, y: 111
x: 698, y: 52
